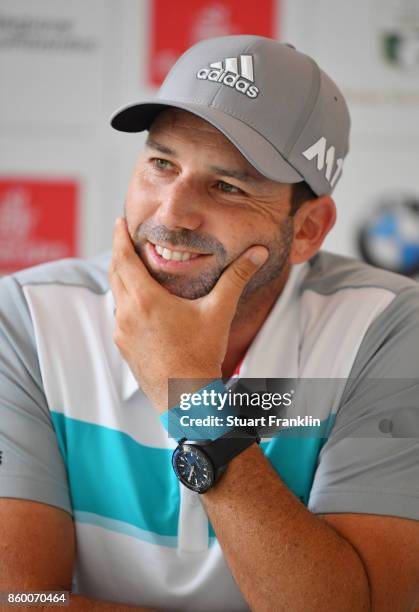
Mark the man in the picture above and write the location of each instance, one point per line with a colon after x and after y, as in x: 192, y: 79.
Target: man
x: 215, y: 270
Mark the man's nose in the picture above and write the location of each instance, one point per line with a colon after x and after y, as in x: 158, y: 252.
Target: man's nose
x: 181, y: 206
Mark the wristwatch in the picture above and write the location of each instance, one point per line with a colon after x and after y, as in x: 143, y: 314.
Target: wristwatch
x: 200, y: 464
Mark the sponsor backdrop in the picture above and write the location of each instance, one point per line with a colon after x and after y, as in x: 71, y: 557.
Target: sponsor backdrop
x: 65, y: 66
x: 199, y: 19
x: 38, y: 220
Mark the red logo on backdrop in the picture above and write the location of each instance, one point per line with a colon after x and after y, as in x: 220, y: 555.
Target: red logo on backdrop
x: 38, y: 221
x: 178, y: 25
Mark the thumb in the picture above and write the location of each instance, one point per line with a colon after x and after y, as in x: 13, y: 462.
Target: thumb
x: 231, y: 284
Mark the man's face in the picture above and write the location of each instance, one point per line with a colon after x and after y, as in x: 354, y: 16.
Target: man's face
x: 193, y: 194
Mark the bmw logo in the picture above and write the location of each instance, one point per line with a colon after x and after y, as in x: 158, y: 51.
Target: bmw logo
x: 389, y: 238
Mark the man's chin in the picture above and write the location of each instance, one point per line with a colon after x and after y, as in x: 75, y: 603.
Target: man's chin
x: 185, y: 294
x: 190, y: 289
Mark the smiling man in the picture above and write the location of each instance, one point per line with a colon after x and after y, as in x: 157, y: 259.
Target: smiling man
x: 215, y: 271
x: 190, y: 217
x: 249, y: 203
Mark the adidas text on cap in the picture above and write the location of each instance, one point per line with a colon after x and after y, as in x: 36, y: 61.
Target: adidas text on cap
x: 280, y: 110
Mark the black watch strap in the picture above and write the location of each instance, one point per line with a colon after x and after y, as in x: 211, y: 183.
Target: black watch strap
x: 222, y: 450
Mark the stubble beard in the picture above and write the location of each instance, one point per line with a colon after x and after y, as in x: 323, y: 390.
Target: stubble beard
x: 194, y: 287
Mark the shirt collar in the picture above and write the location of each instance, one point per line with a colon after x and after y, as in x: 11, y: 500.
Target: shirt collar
x: 129, y: 384
x: 274, y: 351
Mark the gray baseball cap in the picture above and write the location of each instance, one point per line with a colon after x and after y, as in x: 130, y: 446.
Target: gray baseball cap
x: 280, y: 110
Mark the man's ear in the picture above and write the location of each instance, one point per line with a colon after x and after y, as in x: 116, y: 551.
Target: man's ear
x: 312, y: 222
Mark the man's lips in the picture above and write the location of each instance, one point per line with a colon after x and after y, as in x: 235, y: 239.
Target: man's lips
x: 160, y: 259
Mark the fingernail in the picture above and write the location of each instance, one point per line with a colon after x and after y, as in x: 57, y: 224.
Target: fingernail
x: 259, y: 256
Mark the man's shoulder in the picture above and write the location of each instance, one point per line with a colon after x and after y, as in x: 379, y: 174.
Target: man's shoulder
x: 87, y: 273
x: 329, y: 273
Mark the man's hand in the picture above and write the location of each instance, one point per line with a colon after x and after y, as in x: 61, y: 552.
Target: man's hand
x: 163, y: 336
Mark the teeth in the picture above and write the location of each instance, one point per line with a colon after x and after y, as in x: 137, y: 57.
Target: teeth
x: 166, y: 254
x: 173, y: 255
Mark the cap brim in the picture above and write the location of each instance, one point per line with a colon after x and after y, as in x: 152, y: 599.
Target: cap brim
x: 254, y: 147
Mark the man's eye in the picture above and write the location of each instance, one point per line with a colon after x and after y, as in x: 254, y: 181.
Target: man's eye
x: 161, y: 164
x: 227, y: 188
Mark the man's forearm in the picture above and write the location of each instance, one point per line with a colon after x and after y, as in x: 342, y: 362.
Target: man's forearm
x: 281, y: 555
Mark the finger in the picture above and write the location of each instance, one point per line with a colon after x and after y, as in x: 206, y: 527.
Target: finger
x: 231, y: 284
x: 127, y: 263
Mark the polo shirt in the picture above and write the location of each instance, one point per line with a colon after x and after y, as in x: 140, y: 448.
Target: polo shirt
x: 78, y: 433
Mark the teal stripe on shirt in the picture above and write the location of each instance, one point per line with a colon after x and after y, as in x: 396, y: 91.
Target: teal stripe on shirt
x: 113, y: 476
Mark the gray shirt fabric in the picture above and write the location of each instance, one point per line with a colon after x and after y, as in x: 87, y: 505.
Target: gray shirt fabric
x: 65, y: 393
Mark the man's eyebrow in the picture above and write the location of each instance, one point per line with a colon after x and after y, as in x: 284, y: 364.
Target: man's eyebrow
x: 153, y: 144
x: 240, y: 175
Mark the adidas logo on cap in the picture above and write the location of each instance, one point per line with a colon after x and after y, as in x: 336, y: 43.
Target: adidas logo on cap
x: 234, y: 72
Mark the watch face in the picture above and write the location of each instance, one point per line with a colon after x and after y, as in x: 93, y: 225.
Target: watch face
x: 193, y: 468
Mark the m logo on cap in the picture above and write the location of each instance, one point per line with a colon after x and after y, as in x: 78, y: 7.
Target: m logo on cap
x: 325, y: 160
x: 234, y: 72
